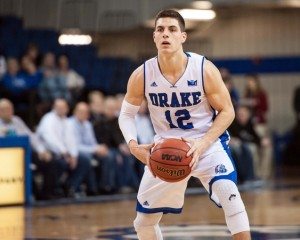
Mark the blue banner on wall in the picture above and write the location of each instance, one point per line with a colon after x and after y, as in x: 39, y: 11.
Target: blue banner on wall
x: 260, y: 65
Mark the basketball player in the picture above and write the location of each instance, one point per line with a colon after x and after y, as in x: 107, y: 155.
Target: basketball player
x: 187, y: 99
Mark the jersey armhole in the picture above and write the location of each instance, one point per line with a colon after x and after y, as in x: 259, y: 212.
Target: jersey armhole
x: 144, y: 79
x: 202, y: 72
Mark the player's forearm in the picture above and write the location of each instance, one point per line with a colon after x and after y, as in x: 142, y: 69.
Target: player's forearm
x: 220, y: 124
x: 127, y: 121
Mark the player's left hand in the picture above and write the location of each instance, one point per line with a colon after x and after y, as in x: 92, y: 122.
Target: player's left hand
x: 198, y: 147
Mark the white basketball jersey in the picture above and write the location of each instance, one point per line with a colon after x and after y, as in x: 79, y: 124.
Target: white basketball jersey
x: 182, y: 109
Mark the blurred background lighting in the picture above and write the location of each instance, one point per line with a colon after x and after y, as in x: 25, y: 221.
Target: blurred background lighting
x: 74, y: 39
x: 197, y: 14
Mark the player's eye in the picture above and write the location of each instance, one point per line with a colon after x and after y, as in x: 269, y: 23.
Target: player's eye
x: 159, y: 29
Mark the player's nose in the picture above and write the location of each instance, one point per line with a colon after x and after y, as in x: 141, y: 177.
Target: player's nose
x: 165, y: 35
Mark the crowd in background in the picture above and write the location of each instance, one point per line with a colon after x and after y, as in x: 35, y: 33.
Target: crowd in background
x: 34, y: 81
x: 251, y: 144
x: 78, y: 148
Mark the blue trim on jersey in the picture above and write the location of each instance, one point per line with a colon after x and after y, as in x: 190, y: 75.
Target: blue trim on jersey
x: 202, y: 74
x: 214, y: 113
x: 231, y: 176
x: 224, y: 138
x: 164, y: 210
x: 187, y: 54
x: 145, y: 78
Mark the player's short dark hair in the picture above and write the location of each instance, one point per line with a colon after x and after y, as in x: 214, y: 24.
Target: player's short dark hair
x: 170, y: 13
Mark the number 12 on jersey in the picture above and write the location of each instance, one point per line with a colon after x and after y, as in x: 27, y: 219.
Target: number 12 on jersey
x: 182, y: 116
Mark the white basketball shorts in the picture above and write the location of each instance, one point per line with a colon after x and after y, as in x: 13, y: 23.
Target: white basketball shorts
x: 156, y: 195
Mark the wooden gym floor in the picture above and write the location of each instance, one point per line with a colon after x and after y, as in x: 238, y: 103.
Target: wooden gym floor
x: 274, y: 213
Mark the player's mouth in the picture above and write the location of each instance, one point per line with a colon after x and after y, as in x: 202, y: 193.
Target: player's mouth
x: 166, y: 43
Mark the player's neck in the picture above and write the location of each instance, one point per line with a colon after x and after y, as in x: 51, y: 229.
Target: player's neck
x: 172, y: 64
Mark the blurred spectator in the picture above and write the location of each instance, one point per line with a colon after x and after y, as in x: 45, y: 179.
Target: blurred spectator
x: 256, y: 99
x: 11, y: 125
x: 29, y: 69
x: 2, y: 65
x: 74, y: 82
x: 13, y: 81
x: 107, y: 131
x: 16, y: 87
x: 51, y: 86
x: 119, y: 99
x: 90, y: 149
x: 296, y: 103
x: 33, y: 53
x: 53, y: 130
x: 243, y: 129
x: 291, y: 152
x: 234, y: 94
x: 145, y: 132
x: 242, y: 135
x: 96, y: 103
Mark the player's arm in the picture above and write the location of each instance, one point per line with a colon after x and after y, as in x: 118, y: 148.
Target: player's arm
x: 131, y: 104
x: 219, y: 98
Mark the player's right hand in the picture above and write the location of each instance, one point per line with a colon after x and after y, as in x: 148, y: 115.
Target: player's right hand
x: 141, y: 152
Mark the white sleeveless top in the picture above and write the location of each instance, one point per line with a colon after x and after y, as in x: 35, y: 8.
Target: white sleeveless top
x: 182, y: 109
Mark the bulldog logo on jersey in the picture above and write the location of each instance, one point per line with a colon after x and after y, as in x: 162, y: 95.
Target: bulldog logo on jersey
x: 220, y: 169
x: 192, y: 82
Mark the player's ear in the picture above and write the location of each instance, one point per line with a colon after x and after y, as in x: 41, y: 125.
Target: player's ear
x: 184, y: 37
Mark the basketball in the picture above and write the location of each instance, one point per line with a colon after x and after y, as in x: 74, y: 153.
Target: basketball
x: 168, y: 160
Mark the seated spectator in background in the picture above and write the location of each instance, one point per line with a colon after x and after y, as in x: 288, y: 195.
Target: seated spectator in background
x: 119, y: 99
x: 11, y: 125
x: 234, y: 94
x: 240, y: 140
x: 90, y: 149
x: 33, y: 53
x: 96, y: 103
x: 296, y: 104
x: 107, y: 131
x: 256, y: 99
x: 74, y: 82
x: 16, y: 87
x: 291, y: 152
x: 51, y: 86
x: 34, y: 77
x: 244, y: 136
x: 29, y: 69
x: 14, y: 82
x: 53, y: 129
x: 145, y: 132
x: 2, y: 64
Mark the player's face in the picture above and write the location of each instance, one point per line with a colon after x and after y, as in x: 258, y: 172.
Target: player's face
x: 167, y: 35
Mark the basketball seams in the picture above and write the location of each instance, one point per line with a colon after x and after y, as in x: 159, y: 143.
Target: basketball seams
x: 168, y: 163
x: 179, y: 149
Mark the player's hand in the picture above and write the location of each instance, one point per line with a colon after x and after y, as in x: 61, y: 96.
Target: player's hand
x: 198, y: 147
x: 141, y: 152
